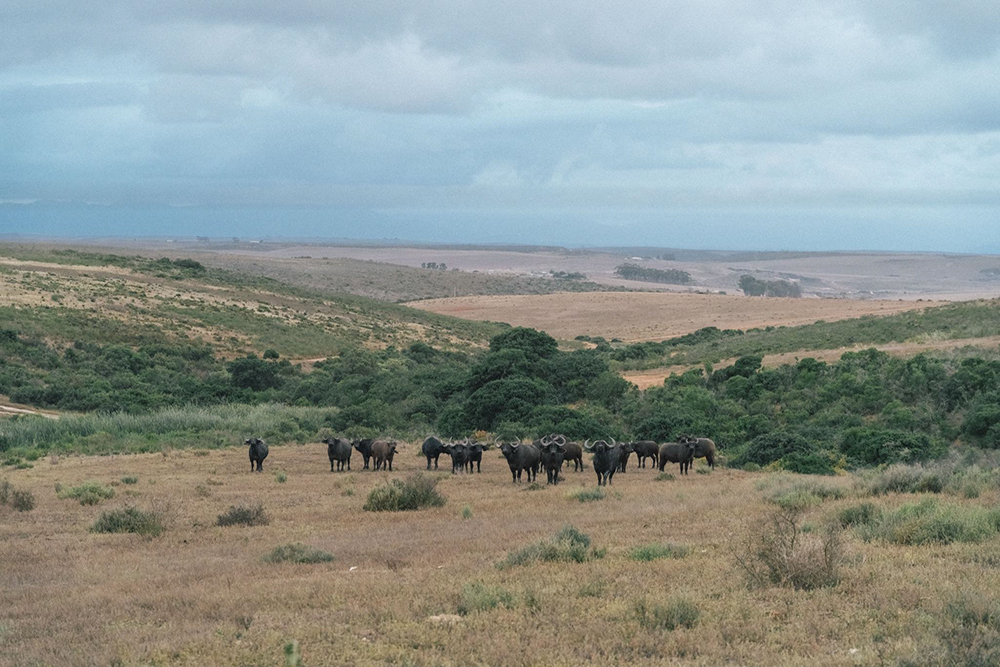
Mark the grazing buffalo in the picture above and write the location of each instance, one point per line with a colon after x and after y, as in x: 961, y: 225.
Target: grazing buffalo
x: 703, y: 448
x: 605, y: 459
x: 645, y: 449
x: 382, y: 452
x: 432, y: 449
x: 574, y: 453
x: 474, y: 456
x: 258, y: 452
x: 364, y: 448
x: 625, y: 451
x: 459, y: 453
x: 339, y: 450
x: 551, y: 457
x: 674, y: 452
x: 519, y: 458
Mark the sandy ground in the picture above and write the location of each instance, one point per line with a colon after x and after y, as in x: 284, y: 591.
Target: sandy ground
x: 635, y: 316
x: 655, y: 376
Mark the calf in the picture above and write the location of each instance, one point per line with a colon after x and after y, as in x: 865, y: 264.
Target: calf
x: 382, y: 452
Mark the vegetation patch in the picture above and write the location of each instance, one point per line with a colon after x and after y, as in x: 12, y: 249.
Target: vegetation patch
x: 569, y: 545
x: 477, y: 597
x: 588, y: 495
x: 800, y: 495
x: 678, y: 612
x: 970, y: 631
x: 244, y: 515
x: 931, y: 522
x: 650, y: 275
x: 297, y: 553
x: 88, y: 493
x: 130, y: 480
x: 416, y: 492
x: 781, y: 553
x: 148, y: 523
x: 650, y: 552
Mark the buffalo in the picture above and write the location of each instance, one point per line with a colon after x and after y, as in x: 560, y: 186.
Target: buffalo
x: 520, y: 457
x: 459, y: 452
x: 645, y: 449
x: 382, y: 452
x: 474, y: 455
x: 574, y: 453
x: 551, y: 456
x: 674, y: 452
x: 339, y: 450
x: 605, y: 459
x: 432, y: 449
x: 625, y: 451
x: 258, y: 452
x: 703, y: 448
x: 364, y: 448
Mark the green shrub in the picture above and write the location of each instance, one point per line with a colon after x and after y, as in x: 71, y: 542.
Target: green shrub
x: 22, y: 501
x: 281, y: 477
x: 903, y: 478
x: 650, y: 552
x: 244, y: 514
x: 130, y: 480
x: 929, y: 522
x: 397, y: 496
x: 88, y: 493
x: 588, y: 495
x: 679, y: 612
x: 466, y: 512
x: 801, y: 495
x: 751, y: 467
x: 864, y: 514
x: 477, y: 596
x: 664, y: 477
x: 569, y: 545
x: 6, y: 488
x: 129, y: 520
x: 297, y: 553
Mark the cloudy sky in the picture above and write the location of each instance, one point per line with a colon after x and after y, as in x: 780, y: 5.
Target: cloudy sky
x: 806, y: 124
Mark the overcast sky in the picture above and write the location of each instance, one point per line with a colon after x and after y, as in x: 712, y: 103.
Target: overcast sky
x: 806, y: 124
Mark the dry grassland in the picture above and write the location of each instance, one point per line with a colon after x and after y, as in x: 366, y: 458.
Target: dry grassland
x: 200, y: 594
x: 642, y: 316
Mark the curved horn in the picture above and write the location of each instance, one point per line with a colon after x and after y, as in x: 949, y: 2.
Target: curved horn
x: 562, y: 438
x: 586, y: 444
x: 613, y: 443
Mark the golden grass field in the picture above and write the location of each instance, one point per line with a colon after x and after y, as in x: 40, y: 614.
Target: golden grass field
x: 642, y: 316
x: 200, y: 594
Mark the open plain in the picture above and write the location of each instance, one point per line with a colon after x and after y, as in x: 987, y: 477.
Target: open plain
x: 421, y: 588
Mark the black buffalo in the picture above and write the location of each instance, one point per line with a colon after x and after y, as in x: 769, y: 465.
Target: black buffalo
x: 606, y: 459
x: 645, y: 449
x: 474, y: 456
x: 432, y: 449
x: 258, y: 452
x: 459, y: 452
x: 624, y: 451
x: 520, y: 458
x: 339, y: 450
x: 553, y: 449
x: 674, y: 452
x: 383, y: 451
x: 364, y: 448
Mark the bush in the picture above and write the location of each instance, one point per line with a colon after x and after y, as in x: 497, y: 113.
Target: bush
x: 569, y: 545
x: 664, y: 477
x: 864, y: 514
x: 297, y: 553
x: 802, y: 495
x: 677, y: 613
x: 397, y: 496
x: 88, y: 493
x: 466, y: 512
x: 22, y: 501
x: 780, y: 554
x: 971, y: 630
x: 130, y: 480
x: 477, y: 596
x: 588, y: 495
x: 281, y: 477
x: 6, y: 488
x: 129, y: 520
x: 246, y: 515
x: 929, y: 522
x: 650, y: 552
x: 903, y: 478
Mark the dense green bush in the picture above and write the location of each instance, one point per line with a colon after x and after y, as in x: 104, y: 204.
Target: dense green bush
x: 416, y: 492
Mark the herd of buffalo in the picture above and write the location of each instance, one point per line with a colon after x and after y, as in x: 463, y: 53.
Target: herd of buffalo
x: 550, y: 453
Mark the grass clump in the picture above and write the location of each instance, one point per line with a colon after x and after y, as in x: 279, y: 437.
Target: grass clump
x: 129, y: 520
x: 801, y: 495
x: 664, y: 477
x: 569, y: 545
x: 245, y: 515
x: 130, y: 480
x: 88, y: 493
x: 970, y: 630
x: 297, y: 553
x: 477, y: 596
x: 22, y: 501
x: 903, y: 478
x: 864, y: 514
x: 466, y: 512
x: 6, y: 488
x: 588, y: 495
x: 281, y: 477
x: 783, y: 554
x: 648, y: 552
x: 398, y: 496
x: 930, y: 522
x: 679, y: 612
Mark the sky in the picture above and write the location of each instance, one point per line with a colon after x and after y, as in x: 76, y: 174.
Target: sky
x: 736, y: 124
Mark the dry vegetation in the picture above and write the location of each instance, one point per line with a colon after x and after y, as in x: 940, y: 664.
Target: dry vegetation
x: 641, y: 316
x: 423, y: 587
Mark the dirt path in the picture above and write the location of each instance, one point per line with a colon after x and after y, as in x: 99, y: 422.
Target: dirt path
x: 7, y: 410
x: 642, y: 316
x: 656, y: 376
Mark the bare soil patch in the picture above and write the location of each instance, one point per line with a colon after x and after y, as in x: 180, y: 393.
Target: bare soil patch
x: 642, y: 316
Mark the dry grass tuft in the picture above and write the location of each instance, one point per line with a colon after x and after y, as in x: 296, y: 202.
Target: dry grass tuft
x: 650, y: 552
x: 88, y: 493
x: 297, y: 553
x: 397, y: 496
x: 679, y: 612
x: 148, y: 523
x: 781, y: 554
x: 244, y: 515
x: 569, y: 545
